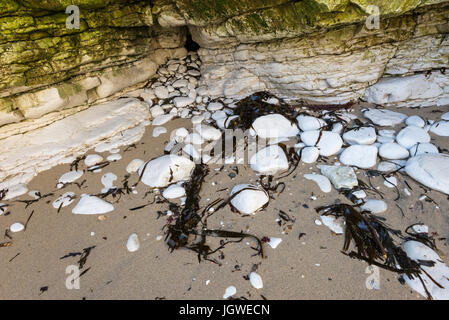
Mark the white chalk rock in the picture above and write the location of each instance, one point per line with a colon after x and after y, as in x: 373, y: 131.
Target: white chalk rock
x: 382, y: 140
x: 182, y: 102
x: 432, y: 170
x: 440, y: 128
x: 64, y: 200
x: 114, y: 157
x: 162, y: 119
x: 158, y: 131
x: 161, y: 92
x: 174, y: 191
x: 194, y: 138
x: 422, y: 148
x: 71, y: 176
x: 256, y: 280
x: 384, y: 118
x: 336, y: 225
x: 208, y: 133
x: 108, y: 181
x: 274, y: 126
x: 393, y: 165
x: 92, y: 159
x: 309, y: 123
x: 134, y: 165
x: 363, y: 135
x: 341, y: 177
x: 133, y: 243
x: 375, y: 206
x: 16, y: 191
x: 16, y: 227
x: 230, y: 291
x: 156, y: 111
x: 191, y: 151
x: 411, y: 135
x: 309, y: 154
x: 269, y: 160
x: 329, y: 144
x: 322, y: 181
x: 439, y: 271
x: 162, y: 171
x: 274, y: 242
x: 390, y: 182
x: 197, y: 119
x: 92, y: 205
x: 393, y: 151
x: 361, y: 156
x: 214, y: 106
x: 416, y: 121
x: 247, y: 198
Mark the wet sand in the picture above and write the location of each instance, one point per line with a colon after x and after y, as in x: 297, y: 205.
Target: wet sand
x: 311, y: 267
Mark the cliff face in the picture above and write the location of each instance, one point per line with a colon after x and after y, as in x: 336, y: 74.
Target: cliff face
x: 318, y: 50
x: 321, y: 50
x: 47, y: 67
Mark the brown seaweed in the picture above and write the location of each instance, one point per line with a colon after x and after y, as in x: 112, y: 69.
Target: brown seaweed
x: 188, y: 229
x: 374, y: 241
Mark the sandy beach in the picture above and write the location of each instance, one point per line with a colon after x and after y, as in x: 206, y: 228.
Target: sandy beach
x: 309, y: 266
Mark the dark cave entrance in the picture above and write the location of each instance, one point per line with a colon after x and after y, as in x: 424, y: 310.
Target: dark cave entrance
x: 190, y: 44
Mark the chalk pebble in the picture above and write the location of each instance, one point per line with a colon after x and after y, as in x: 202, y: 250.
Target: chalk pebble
x: 133, y: 243
x: 322, y: 181
x: 134, y: 165
x: 16, y: 227
x: 92, y: 205
x: 256, y: 280
x: 64, y: 200
x: 230, y: 291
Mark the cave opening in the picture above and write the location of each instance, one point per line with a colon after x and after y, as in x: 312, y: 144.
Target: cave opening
x: 191, y: 45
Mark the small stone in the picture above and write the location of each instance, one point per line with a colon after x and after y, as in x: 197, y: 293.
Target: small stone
x: 411, y: 135
x: 92, y: 159
x: 162, y: 119
x: 309, y: 154
x: 174, y: 191
x: 415, y: 121
x: 432, y: 170
x: 92, y: 205
x: 162, y: 171
x: 182, y: 102
x: 309, y: 123
x: 374, y: 206
x: 247, y: 198
x: 256, y: 280
x: 322, y: 181
x: 363, y: 135
x: 361, y: 156
x: 64, y: 200
x: 214, y: 106
x: 16, y: 227
x: 329, y: 142
x: 336, y: 225
x: 134, y: 165
x: 393, y: 151
x: 269, y: 160
x: 341, y: 177
x: 208, y: 133
x: 422, y: 148
x: 440, y: 128
x: 274, y: 126
x: 133, y: 243
x: 274, y: 242
x: 161, y: 92
x: 158, y: 131
x: 384, y: 118
x: 230, y: 291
